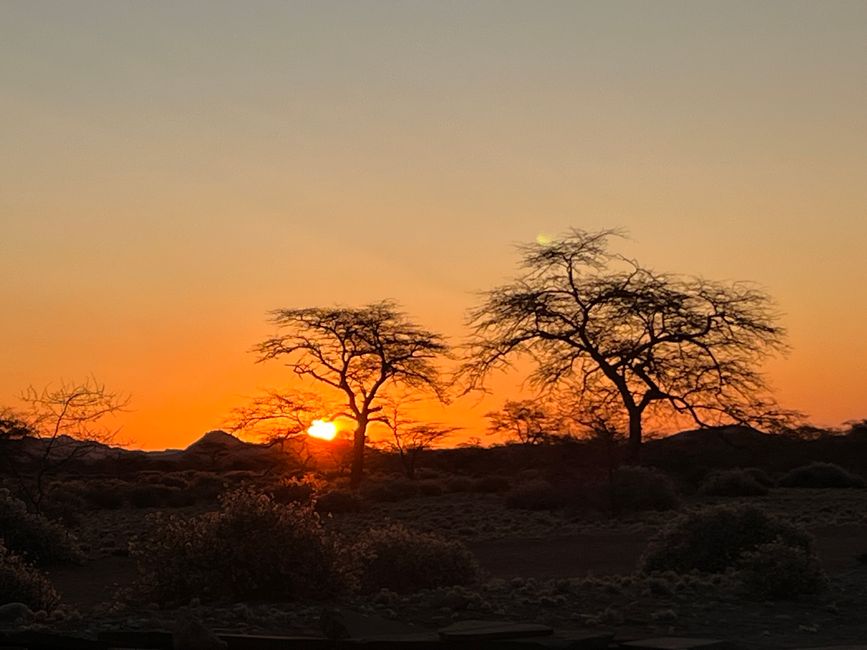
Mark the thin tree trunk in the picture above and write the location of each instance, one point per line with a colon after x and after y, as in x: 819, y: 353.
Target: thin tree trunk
x: 356, y: 474
x: 634, y: 444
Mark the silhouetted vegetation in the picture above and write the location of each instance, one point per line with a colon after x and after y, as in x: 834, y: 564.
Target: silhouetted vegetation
x: 733, y: 483
x: 635, y: 488
x: 777, y: 571
x: 403, y: 561
x: 34, y: 536
x: 821, y: 475
x: 682, y: 347
x: 21, y: 583
x: 716, y: 539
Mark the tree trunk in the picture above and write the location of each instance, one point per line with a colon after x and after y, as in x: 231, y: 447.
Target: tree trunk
x: 356, y: 474
x: 634, y: 445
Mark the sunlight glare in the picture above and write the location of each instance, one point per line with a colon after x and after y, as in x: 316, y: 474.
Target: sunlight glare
x: 322, y: 429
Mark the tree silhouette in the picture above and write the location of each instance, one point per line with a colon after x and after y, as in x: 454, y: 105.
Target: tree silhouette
x: 409, y: 437
x: 64, y: 423
x: 357, y: 352
x: 616, y: 332
x: 524, y: 420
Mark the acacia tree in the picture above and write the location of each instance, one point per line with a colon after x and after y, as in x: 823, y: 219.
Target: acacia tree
x: 523, y: 420
x: 58, y: 425
x: 409, y: 437
x: 357, y: 352
x: 616, y: 332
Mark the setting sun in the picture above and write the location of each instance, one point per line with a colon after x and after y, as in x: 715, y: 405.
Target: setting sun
x: 322, y: 429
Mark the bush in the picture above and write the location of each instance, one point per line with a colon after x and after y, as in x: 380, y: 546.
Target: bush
x: 821, y: 475
x: 339, y: 501
x: 760, y: 476
x: 393, y: 489
x: 732, y: 483
x: 33, y: 536
x: 158, y: 496
x: 404, y: 561
x: 429, y: 488
x: 295, y: 490
x: 491, y: 484
x: 459, y: 484
x: 714, y: 540
x: 251, y: 547
x: 636, y: 488
x: 21, y: 583
x: 105, y: 496
x: 534, y: 495
x: 777, y: 571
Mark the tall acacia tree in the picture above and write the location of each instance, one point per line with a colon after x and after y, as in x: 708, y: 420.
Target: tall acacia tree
x: 358, y: 352
x: 613, y: 332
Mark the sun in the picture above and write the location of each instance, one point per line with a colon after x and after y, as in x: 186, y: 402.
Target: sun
x: 322, y: 429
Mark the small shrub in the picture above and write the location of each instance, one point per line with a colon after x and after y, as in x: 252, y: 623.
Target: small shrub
x: 491, y: 484
x: 534, y: 495
x: 776, y: 571
x: 732, y: 483
x: 456, y: 484
x: 35, y: 537
x: 635, y: 488
x: 252, y: 547
x: 339, y: 501
x: 404, y: 561
x: 714, y: 540
x: 295, y: 490
x: 104, y: 496
x: 394, y: 489
x: 158, y: 496
x: 429, y: 488
x: 760, y: 476
x: 205, y: 486
x: 21, y: 583
x: 821, y: 475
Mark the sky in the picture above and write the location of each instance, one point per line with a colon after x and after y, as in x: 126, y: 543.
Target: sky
x: 173, y: 171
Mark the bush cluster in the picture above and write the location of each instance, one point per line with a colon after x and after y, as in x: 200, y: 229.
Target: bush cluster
x: 777, y: 571
x: 536, y: 494
x: 339, y: 501
x: 21, y: 583
x: 732, y: 483
x: 821, y: 475
x: 403, y: 560
x: 252, y: 547
x: 714, y: 540
x: 635, y: 488
x: 33, y: 536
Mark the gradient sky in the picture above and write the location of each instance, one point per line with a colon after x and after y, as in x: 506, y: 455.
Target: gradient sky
x: 171, y: 171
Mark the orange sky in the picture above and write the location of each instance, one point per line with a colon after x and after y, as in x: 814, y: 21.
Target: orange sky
x: 171, y: 172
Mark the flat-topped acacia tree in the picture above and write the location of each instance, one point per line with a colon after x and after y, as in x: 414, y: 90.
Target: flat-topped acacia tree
x: 614, y: 333
x: 358, y: 352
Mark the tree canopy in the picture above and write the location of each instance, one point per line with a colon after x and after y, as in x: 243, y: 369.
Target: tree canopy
x: 612, y: 331
x: 357, y: 351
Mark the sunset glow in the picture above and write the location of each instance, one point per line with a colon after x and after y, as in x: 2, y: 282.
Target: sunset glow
x: 322, y: 429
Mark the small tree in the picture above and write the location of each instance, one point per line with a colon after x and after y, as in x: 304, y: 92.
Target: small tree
x: 357, y: 352
x: 616, y: 331
x: 57, y: 426
x: 409, y: 437
x: 524, y: 421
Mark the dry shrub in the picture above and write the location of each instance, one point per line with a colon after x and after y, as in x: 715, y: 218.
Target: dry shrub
x: 777, y: 571
x: 252, y: 547
x: 714, y: 540
x: 158, y: 496
x: 339, y: 501
x: 732, y: 483
x: 459, y: 484
x: 404, y: 561
x: 635, y: 488
x: 105, y: 495
x: 537, y: 494
x: 33, y: 536
x: 389, y: 489
x: 296, y: 490
x: 491, y: 484
x: 21, y: 583
x: 821, y: 475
